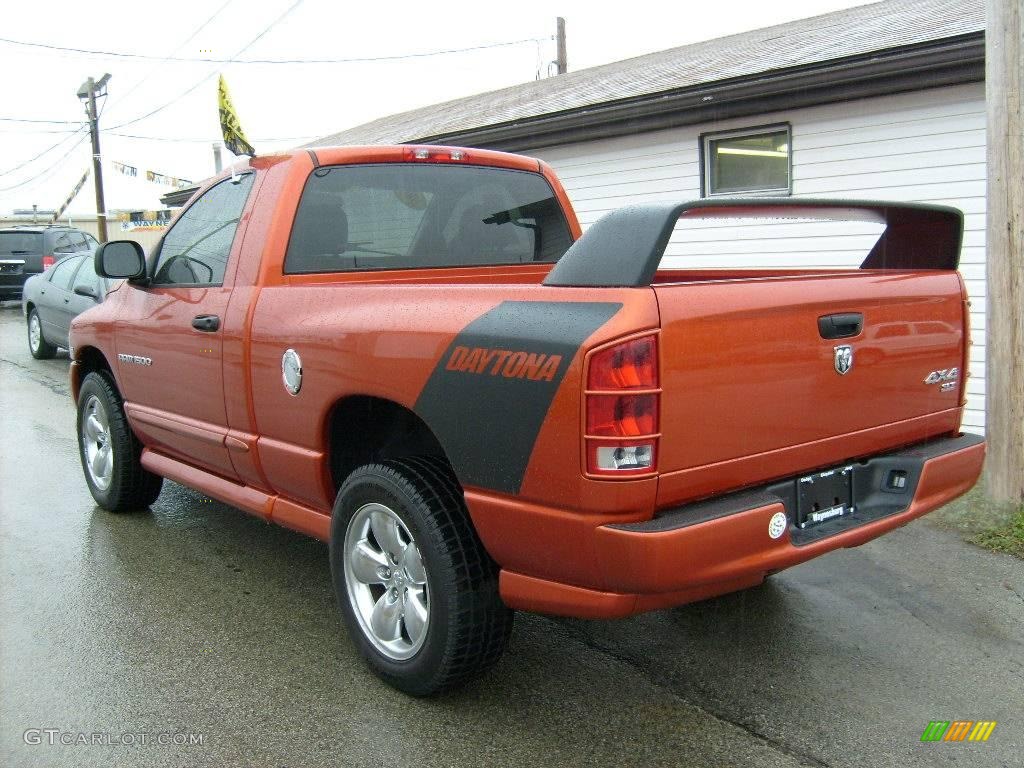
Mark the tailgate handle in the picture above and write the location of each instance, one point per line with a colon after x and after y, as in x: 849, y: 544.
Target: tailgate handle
x: 841, y: 325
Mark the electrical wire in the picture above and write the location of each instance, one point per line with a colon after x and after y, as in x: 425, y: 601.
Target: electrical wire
x: 170, y: 57
x: 185, y: 93
x: 203, y: 141
x: 30, y: 120
x: 41, y: 154
x: 42, y: 173
x: 354, y: 60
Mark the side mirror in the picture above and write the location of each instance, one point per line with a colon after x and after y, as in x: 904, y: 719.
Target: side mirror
x: 87, y: 290
x: 120, y: 259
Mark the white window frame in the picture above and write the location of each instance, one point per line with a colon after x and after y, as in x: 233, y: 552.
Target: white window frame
x: 759, y: 130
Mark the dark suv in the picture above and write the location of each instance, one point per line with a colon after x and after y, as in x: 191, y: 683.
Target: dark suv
x: 29, y: 250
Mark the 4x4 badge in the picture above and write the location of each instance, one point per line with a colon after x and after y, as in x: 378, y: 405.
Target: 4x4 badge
x: 844, y: 359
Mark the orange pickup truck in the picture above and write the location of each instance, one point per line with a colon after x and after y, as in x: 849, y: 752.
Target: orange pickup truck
x: 413, y: 354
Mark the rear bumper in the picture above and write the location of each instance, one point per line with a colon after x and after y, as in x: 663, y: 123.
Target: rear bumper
x: 719, y: 546
x: 11, y: 285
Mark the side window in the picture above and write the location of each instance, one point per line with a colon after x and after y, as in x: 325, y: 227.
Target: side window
x: 195, y: 250
x: 747, y: 161
x: 87, y: 276
x: 63, y: 271
x: 64, y: 244
x: 91, y: 242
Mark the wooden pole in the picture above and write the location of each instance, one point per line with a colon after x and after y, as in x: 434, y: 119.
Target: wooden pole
x: 1004, y: 370
x: 97, y: 165
x: 562, y: 62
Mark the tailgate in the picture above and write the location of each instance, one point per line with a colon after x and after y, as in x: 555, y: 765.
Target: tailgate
x: 766, y: 374
x: 747, y: 368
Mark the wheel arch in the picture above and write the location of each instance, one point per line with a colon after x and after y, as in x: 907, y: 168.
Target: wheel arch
x: 88, y: 360
x: 362, y: 429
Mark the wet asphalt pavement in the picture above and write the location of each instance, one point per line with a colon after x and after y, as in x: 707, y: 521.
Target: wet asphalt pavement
x: 197, y: 619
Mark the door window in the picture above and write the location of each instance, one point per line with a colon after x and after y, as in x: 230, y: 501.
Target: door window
x: 87, y: 277
x: 195, y: 250
x: 63, y: 272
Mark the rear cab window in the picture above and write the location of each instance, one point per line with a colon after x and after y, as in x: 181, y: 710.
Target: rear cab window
x: 411, y: 216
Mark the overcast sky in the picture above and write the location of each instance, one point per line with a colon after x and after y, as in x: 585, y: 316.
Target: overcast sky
x: 281, y: 105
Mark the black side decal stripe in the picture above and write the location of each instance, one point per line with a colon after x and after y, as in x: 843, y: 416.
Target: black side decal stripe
x: 490, y: 392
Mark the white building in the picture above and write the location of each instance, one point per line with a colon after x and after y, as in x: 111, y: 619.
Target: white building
x: 885, y: 101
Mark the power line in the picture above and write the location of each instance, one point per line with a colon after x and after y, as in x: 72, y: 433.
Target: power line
x: 206, y: 140
x: 31, y: 120
x: 170, y: 57
x: 42, y: 173
x: 243, y: 49
x: 44, y: 152
x: 354, y: 60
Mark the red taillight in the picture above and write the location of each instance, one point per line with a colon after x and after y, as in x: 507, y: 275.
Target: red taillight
x: 630, y: 365
x: 48, y: 261
x: 622, y: 409
x: 622, y: 415
x: 434, y: 155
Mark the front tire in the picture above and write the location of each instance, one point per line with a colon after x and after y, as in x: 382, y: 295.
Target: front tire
x: 418, y: 591
x: 109, y: 450
x: 40, y: 348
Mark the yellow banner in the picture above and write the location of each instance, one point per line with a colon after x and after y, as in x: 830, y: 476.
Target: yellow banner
x: 234, y: 136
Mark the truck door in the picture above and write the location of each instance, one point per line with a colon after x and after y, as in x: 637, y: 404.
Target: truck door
x: 169, y: 333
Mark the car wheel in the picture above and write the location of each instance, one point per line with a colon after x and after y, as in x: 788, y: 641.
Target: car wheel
x: 37, y: 345
x: 418, y: 591
x: 109, y: 450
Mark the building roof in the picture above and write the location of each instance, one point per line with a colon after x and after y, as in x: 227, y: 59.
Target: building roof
x: 929, y: 37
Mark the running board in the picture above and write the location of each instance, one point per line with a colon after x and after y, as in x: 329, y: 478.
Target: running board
x: 271, y: 508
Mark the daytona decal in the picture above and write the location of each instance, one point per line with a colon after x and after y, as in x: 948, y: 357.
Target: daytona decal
x: 511, y: 365
x: 490, y: 392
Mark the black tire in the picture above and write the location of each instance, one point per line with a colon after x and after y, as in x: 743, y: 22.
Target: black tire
x: 130, y: 486
x: 42, y: 349
x: 469, y: 626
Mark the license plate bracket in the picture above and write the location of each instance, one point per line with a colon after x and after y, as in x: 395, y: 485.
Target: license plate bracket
x: 824, y: 496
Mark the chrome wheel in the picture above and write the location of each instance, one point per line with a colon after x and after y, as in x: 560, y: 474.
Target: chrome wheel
x: 99, y: 452
x: 35, y: 333
x: 386, y: 581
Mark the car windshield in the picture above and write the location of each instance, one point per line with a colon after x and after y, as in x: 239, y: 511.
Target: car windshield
x: 21, y: 242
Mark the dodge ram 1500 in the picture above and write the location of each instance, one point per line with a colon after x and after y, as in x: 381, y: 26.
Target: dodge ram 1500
x: 414, y: 354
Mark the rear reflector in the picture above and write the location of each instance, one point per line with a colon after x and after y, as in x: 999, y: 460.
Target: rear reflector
x: 48, y: 261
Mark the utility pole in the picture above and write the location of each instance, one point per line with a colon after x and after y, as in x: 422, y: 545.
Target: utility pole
x: 87, y: 93
x: 562, y: 62
x: 1004, y: 376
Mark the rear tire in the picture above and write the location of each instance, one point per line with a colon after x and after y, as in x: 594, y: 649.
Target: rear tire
x: 40, y: 348
x: 109, y: 450
x: 417, y: 589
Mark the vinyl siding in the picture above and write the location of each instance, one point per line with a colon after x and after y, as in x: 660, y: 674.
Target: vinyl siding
x: 924, y: 146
